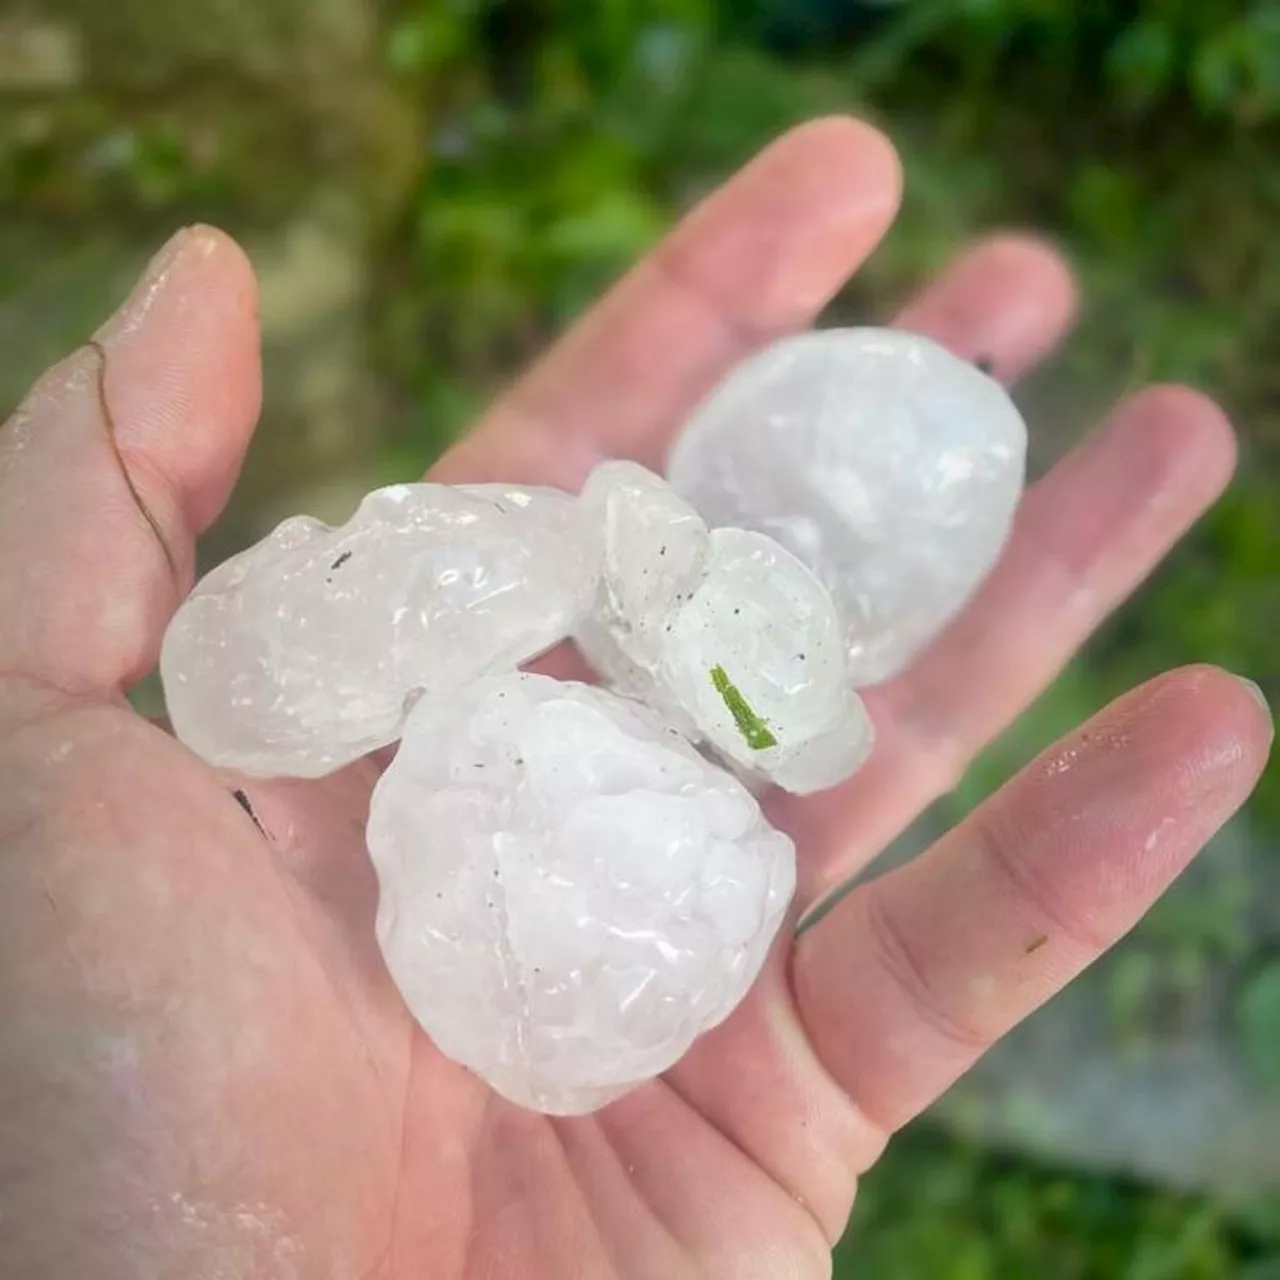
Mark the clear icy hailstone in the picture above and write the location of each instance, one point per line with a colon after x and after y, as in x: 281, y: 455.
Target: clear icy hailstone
x: 889, y: 466
x: 654, y: 554
x: 727, y: 634
x: 300, y: 654
x: 569, y: 892
x: 757, y: 659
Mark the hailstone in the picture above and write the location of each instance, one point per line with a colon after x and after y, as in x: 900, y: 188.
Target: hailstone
x: 885, y: 463
x: 727, y: 634
x: 756, y: 658
x: 654, y: 551
x: 303, y: 653
x: 569, y: 893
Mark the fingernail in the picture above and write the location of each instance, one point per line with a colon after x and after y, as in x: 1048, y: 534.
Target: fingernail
x: 1255, y: 692
x: 133, y: 311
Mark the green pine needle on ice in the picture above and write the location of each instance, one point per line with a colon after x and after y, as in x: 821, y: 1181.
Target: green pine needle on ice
x: 754, y: 730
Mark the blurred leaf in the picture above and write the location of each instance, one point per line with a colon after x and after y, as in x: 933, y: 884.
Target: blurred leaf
x: 1258, y: 1022
x: 1143, y: 60
x: 1106, y: 202
x: 428, y: 39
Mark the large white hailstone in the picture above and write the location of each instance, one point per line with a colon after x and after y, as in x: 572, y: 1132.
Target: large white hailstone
x: 889, y: 466
x: 569, y: 893
x: 727, y: 634
x: 300, y: 655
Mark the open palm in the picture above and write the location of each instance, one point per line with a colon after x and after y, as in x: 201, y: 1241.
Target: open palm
x: 204, y: 1069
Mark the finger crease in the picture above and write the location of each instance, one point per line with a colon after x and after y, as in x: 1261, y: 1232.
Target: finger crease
x: 743, y: 337
x: 901, y: 965
x: 1028, y: 886
x: 1040, y: 537
x: 109, y: 430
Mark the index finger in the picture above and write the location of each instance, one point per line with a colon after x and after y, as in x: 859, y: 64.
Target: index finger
x: 757, y: 259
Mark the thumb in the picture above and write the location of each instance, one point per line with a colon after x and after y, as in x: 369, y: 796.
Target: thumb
x: 118, y: 457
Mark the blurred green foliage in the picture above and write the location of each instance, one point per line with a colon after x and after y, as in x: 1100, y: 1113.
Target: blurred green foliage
x: 86, y: 158
x: 565, y: 136
x: 1258, y: 1014
x: 1225, y: 57
x: 935, y: 1210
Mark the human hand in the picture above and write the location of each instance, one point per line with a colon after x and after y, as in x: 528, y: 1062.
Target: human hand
x: 204, y: 1069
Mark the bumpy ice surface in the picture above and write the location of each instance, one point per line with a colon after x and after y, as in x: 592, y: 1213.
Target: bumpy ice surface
x: 756, y: 657
x: 654, y: 553
x: 301, y: 654
x: 886, y: 464
x: 727, y: 634
x: 569, y: 893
